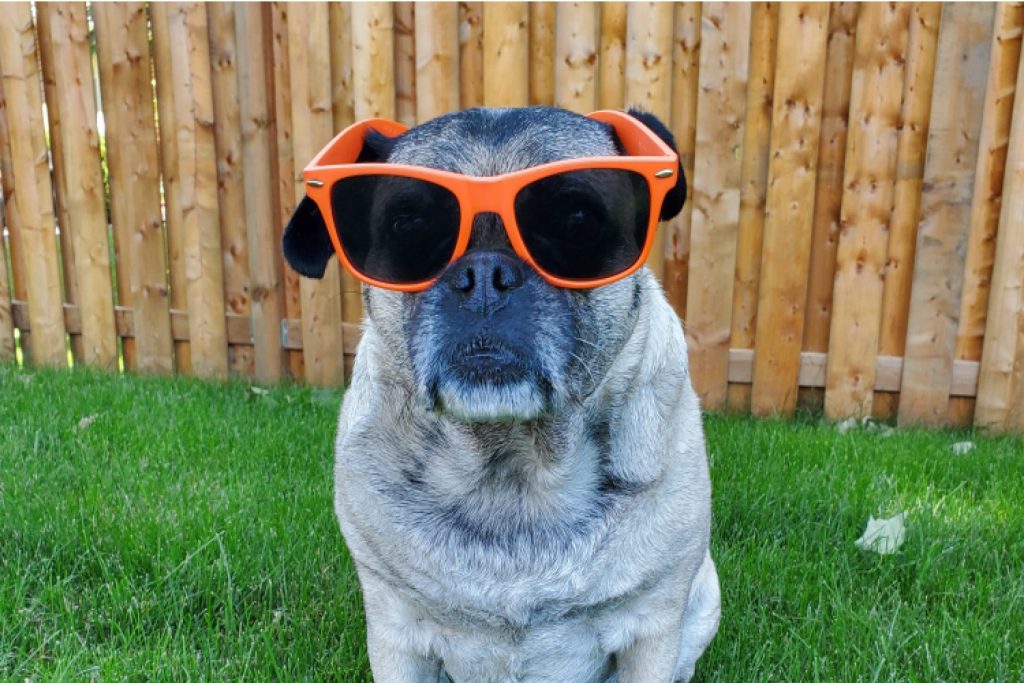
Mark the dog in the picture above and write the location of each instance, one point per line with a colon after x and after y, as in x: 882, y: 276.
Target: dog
x: 521, y: 475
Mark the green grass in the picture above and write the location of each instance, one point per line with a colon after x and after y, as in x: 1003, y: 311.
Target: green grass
x: 187, y: 534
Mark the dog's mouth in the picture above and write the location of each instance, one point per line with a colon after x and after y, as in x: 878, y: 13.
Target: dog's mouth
x: 485, y: 380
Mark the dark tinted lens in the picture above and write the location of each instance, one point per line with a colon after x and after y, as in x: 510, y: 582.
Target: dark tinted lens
x: 583, y: 225
x: 395, y: 229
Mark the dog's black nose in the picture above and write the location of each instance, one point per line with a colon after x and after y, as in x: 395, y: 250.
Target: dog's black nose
x: 484, y: 279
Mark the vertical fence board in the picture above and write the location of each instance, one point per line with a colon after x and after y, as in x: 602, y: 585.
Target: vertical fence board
x: 724, y: 47
x: 988, y: 192
x: 197, y: 173
x: 753, y: 185
x: 965, y: 40
x: 437, y: 59
x: 405, y: 62
x: 7, y: 344
x: 869, y: 176
x: 471, y: 54
x: 795, y: 135
x: 256, y: 113
x: 125, y: 82
x: 343, y: 105
x: 10, y: 218
x: 342, y: 98
x: 611, y: 87
x: 312, y: 124
x: 169, y: 171
x: 506, y: 63
x: 58, y: 164
x: 576, y: 51
x: 1001, y: 378
x: 373, y: 70
x: 285, y: 172
x: 85, y: 223
x: 649, y: 30
x: 915, y: 117
x: 33, y: 197
x: 230, y: 181
x: 685, y: 91
x: 542, y: 52
x: 828, y: 189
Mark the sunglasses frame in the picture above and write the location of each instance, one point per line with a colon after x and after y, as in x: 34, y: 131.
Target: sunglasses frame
x: 648, y: 156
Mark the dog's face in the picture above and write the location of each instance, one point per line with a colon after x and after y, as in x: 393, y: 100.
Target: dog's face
x: 491, y: 339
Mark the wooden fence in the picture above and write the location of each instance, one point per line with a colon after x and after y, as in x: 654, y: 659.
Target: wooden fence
x: 854, y: 236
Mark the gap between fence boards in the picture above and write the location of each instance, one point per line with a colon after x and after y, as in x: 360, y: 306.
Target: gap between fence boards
x: 888, y: 369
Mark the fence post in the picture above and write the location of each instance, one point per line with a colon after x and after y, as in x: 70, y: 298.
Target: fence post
x: 33, y: 198
x: 611, y: 63
x: 404, y: 68
x: 10, y: 219
x: 84, y: 229
x: 724, y: 49
x: 471, y: 54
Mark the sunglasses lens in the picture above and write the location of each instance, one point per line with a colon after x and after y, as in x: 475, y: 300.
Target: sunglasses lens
x: 585, y: 225
x: 395, y: 229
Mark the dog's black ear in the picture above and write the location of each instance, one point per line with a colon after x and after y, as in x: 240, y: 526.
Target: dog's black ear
x: 676, y: 197
x: 306, y: 244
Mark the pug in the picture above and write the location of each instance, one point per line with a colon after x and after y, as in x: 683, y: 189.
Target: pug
x: 520, y: 475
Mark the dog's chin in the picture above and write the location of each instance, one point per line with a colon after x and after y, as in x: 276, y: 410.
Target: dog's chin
x: 469, y: 401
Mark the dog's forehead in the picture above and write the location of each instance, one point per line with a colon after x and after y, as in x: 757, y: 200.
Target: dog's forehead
x: 485, y: 142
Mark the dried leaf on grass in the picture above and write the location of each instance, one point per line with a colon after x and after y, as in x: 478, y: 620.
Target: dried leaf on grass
x: 884, y: 536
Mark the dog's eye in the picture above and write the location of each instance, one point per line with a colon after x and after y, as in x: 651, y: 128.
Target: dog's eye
x: 408, y: 222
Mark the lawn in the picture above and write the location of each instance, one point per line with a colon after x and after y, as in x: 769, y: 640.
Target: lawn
x: 172, y: 529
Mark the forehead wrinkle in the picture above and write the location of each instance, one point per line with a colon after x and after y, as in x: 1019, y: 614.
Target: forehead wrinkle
x: 486, y: 142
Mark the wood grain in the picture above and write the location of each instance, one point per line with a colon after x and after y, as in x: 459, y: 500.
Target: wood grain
x: 542, y: 52
x: 437, y: 59
x: 252, y: 28
x: 85, y: 222
x: 1001, y: 378
x: 33, y: 196
x: 869, y: 177
x: 230, y: 175
x: 796, y: 131
x: 986, y: 202
x: 965, y: 39
x: 576, y: 51
x: 611, y: 86
x: 122, y: 43
x: 404, y: 68
x: 753, y: 185
x: 506, y: 62
x: 915, y: 117
x: 312, y: 125
x: 471, y: 54
x: 724, y: 45
x: 685, y: 94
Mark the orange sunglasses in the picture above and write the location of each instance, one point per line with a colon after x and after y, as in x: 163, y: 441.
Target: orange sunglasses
x: 580, y: 223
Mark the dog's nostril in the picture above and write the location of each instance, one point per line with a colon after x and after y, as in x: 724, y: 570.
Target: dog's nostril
x: 506, y: 278
x: 464, y: 279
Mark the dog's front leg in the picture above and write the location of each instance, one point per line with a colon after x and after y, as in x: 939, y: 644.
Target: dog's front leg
x: 651, y: 659
x: 395, y: 642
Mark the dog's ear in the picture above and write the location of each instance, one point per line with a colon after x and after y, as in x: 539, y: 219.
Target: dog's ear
x: 676, y: 197
x: 306, y: 244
